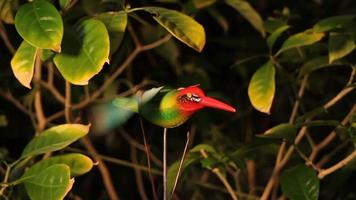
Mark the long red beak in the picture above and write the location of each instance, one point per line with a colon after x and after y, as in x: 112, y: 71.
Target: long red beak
x: 213, y: 103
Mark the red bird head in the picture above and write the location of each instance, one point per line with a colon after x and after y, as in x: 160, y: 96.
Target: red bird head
x: 192, y: 99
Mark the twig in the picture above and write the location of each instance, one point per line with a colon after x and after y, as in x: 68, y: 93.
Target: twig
x: 328, y: 156
x: 299, y: 97
x: 180, y: 164
x: 4, y: 37
x: 41, y: 118
x: 56, y: 94
x: 141, y: 147
x: 118, y: 161
x: 337, y: 166
x: 147, y: 150
x: 105, y: 174
x: 138, y: 175
x: 222, y: 178
x: 331, y: 136
x: 67, y: 105
x: 165, y: 164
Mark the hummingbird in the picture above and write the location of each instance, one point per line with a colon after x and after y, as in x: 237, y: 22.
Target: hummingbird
x: 169, y: 109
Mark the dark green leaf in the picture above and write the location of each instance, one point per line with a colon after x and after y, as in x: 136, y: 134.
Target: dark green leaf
x: 261, y: 88
x: 249, y: 13
x: 340, y: 45
x: 64, y: 4
x: 281, y: 131
x: 315, y: 64
x: 275, y: 35
x: 335, y: 22
x: 54, y: 139
x: 200, y: 4
x: 6, y: 11
x: 321, y: 123
x: 53, y: 183
x: 40, y: 24
x: 85, y: 50
x: 181, y: 26
x: 300, y: 183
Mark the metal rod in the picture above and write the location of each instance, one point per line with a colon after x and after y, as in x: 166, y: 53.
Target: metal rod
x: 165, y: 164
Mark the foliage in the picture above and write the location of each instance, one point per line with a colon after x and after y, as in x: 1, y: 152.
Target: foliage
x: 288, y: 68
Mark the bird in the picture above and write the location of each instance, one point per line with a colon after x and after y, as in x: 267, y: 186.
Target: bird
x: 171, y: 108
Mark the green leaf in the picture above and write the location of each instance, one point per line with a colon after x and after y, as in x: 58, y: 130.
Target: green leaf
x: 262, y: 87
x: 85, y: 50
x: 249, y: 13
x: 22, y: 63
x: 340, y: 45
x: 300, y: 183
x: 55, y: 138
x: 181, y: 26
x: 78, y: 164
x: 6, y: 11
x: 47, y: 55
x: 53, y: 183
x: 335, y: 22
x: 281, y: 131
x: 305, y: 38
x: 207, y: 148
x: 275, y: 35
x: 321, y: 123
x: 115, y: 23
x: 315, y: 64
x: 40, y: 24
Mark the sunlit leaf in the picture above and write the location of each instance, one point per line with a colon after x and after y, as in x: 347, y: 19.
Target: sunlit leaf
x: 262, y: 88
x: 181, y: 26
x: 340, y: 45
x: 22, y: 63
x: 335, y: 22
x: 6, y: 11
x: 78, y: 164
x: 85, y: 50
x: 300, y: 183
x: 249, y: 13
x: 53, y: 183
x: 54, y: 139
x: 305, y: 38
x: 275, y: 35
x: 40, y: 24
x: 115, y: 23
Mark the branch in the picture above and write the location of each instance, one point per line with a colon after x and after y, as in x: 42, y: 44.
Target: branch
x: 41, y: 118
x: 56, y: 94
x: 3, y: 35
x: 105, y: 174
x: 222, y: 178
x: 337, y: 166
x: 138, y: 174
x: 67, y: 103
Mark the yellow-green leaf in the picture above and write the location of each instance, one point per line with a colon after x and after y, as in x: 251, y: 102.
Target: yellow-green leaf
x: 305, y: 38
x: 115, y: 23
x: 53, y: 183
x: 340, y: 45
x: 281, y: 131
x: 78, y: 164
x: 262, y: 88
x: 181, y: 26
x: 317, y: 63
x: 85, y: 50
x: 6, y: 11
x: 22, y: 63
x: 249, y: 13
x: 40, y: 24
x: 55, y: 138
